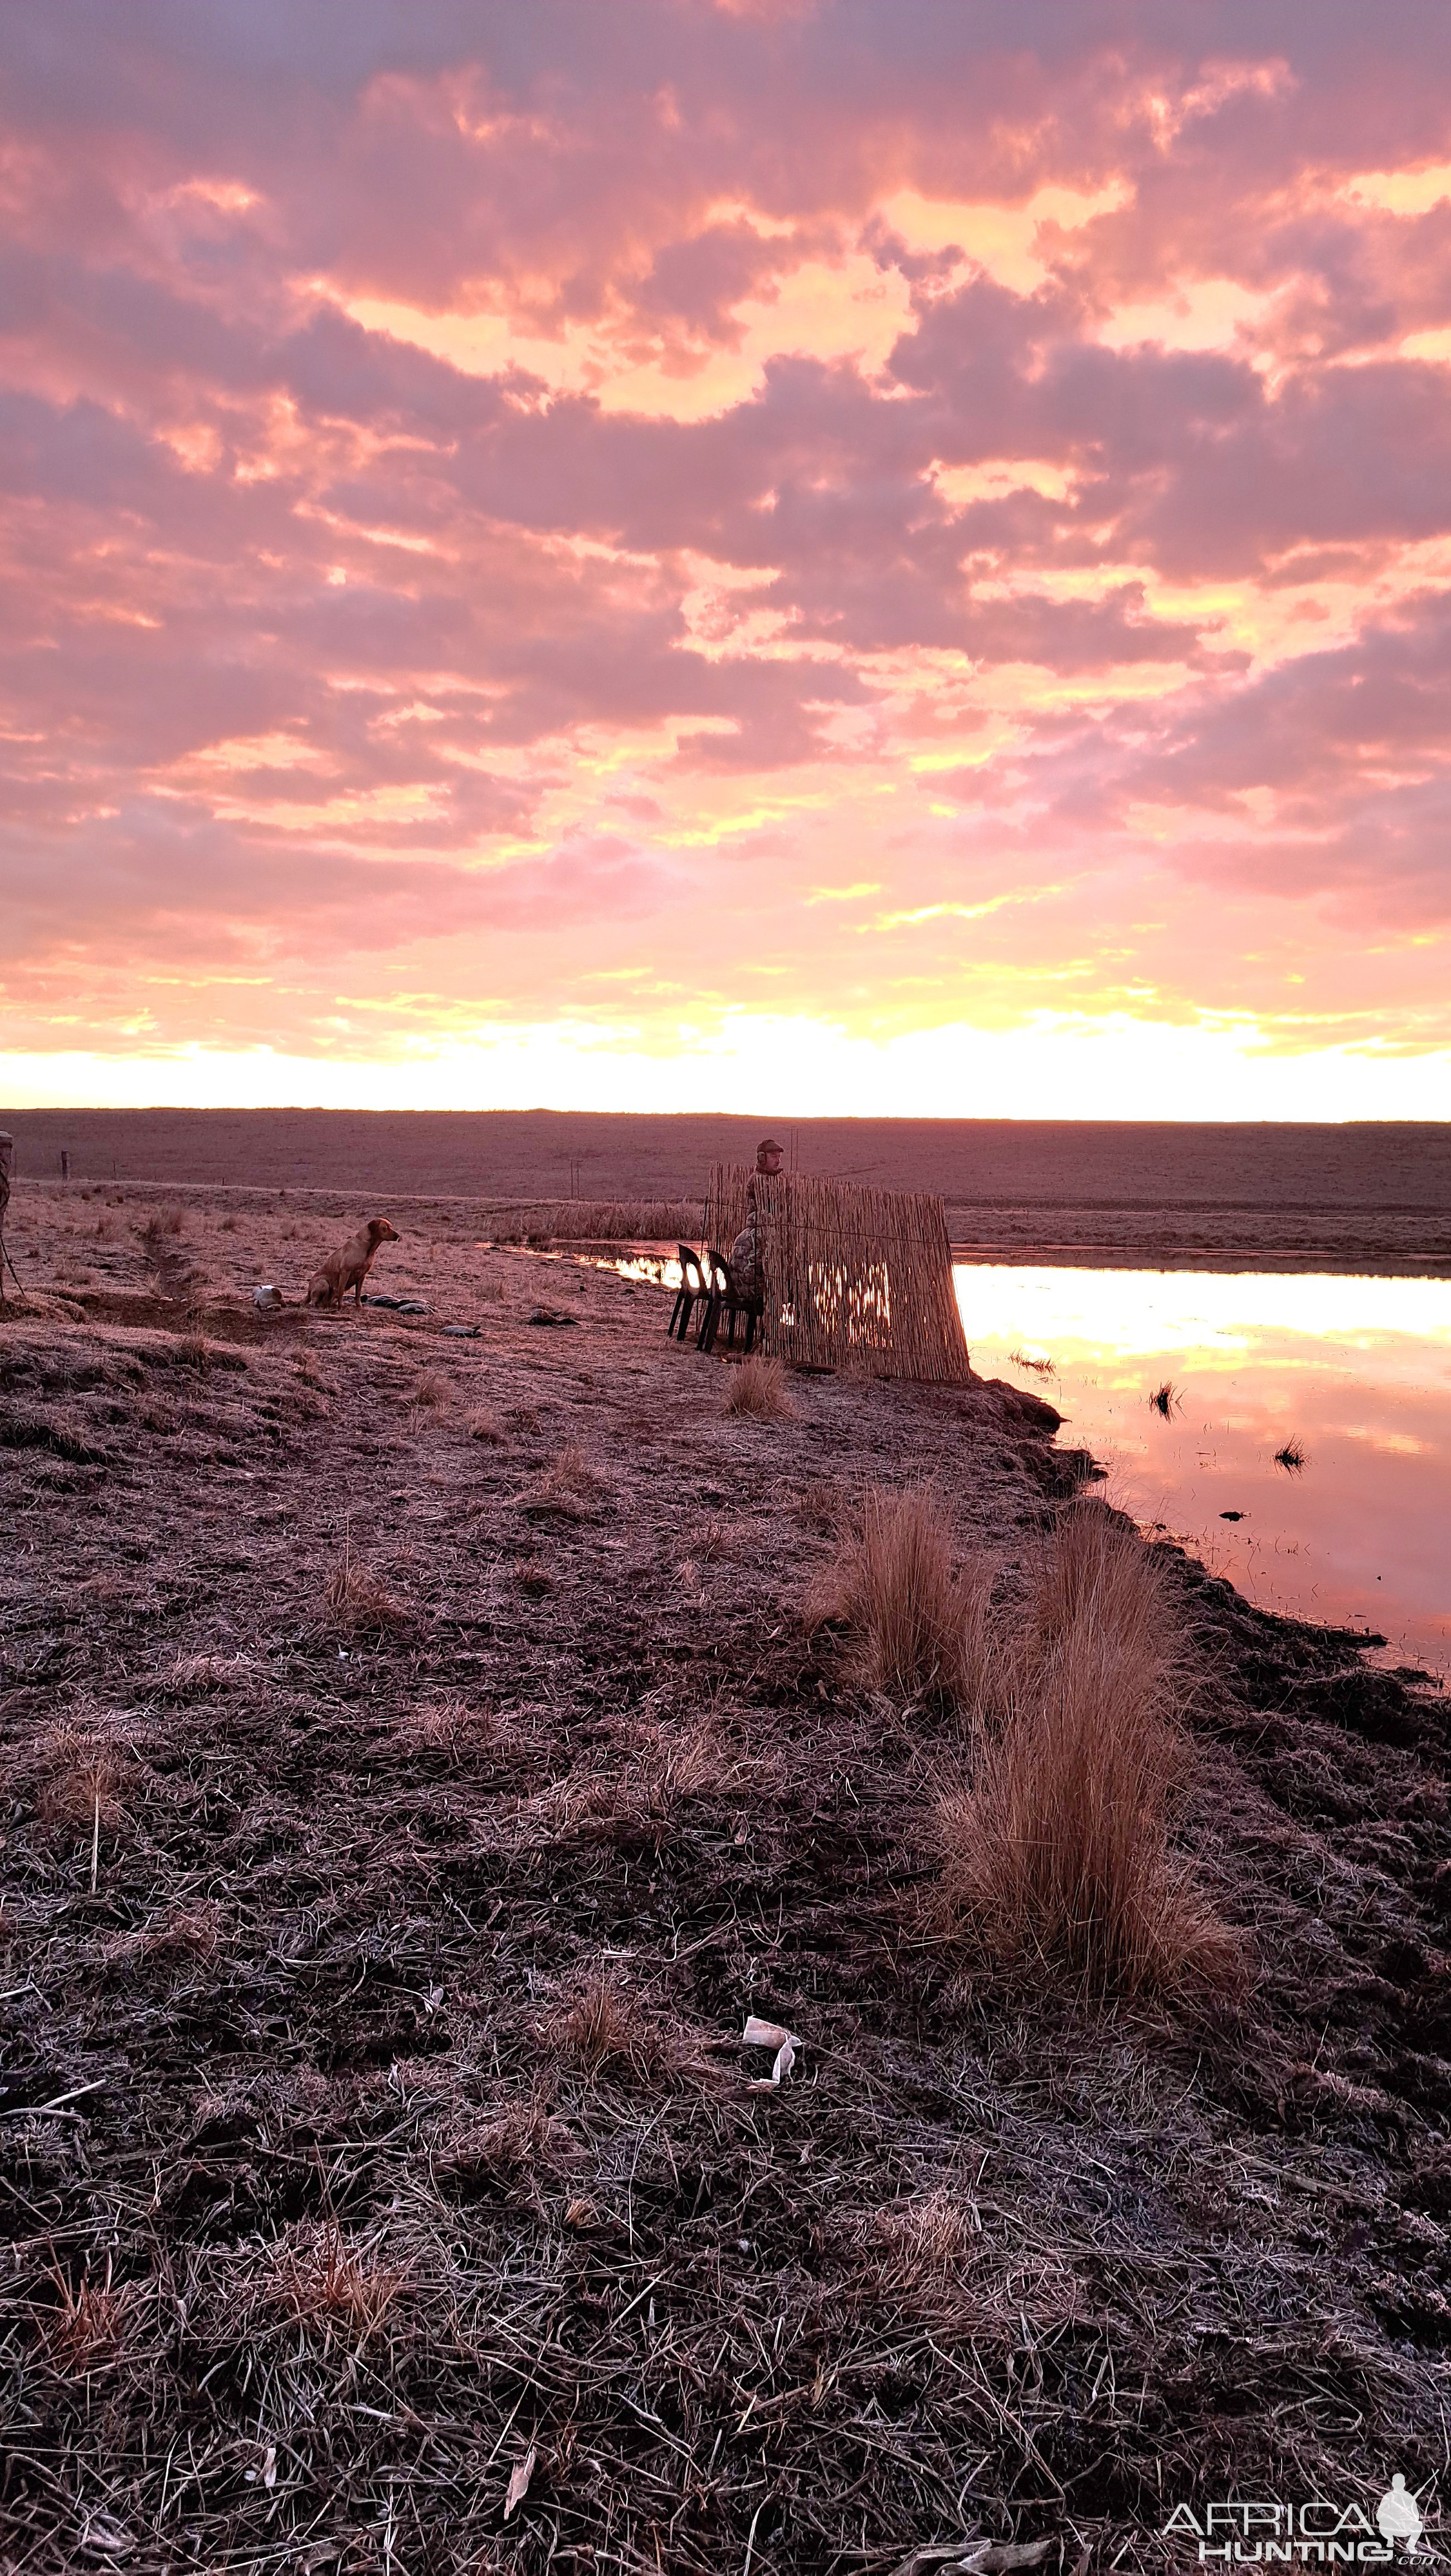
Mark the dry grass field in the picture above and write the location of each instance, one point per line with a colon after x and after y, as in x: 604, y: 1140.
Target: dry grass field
x: 428, y: 1737
x: 1364, y: 1197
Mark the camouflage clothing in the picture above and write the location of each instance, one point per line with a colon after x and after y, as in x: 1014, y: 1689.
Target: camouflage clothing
x: 745, y: 1262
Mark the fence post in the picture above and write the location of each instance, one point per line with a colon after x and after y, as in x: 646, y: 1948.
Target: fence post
x: 7, y: 1155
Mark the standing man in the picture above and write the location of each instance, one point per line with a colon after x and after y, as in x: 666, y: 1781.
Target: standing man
x: 747, y: 1277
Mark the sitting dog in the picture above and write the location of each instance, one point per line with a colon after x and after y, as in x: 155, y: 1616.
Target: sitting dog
x: 350, y: 1267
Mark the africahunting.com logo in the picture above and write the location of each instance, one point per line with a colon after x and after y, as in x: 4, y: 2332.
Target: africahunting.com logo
x: 1320, y: 2532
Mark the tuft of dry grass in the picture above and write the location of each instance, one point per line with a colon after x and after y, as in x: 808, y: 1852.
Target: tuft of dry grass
x: 929, y: 2235
x: 691, y: 1762
x: 205, y: 1673
x: 356, y: 1601
x: 599, y: 2025
x: 87, y: 1776
x: 325, y: 2280
x: 487, y: 1428
x: 564, y: 1490
x: 518, y: 2143
x: 191, y: 1932
x: 85, y: 2329
x: 444, y: 1726
x: 1058, y: 1851
x: 758, y: 1387
x: 641, y: 1804
x: 918, y: 1628
x: 607, y: 2025
x: 429, y: 1390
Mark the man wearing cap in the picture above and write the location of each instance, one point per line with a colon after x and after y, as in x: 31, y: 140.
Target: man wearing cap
x: 747, y: 1277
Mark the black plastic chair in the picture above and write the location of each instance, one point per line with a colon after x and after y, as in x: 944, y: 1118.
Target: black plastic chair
x: 694, y: 1290
x: 724, y: 1299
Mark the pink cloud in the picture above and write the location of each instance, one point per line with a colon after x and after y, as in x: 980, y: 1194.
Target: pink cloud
x: 316, y: 642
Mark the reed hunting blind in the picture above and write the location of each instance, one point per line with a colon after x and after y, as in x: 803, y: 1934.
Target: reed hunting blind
x: 853, y: 1278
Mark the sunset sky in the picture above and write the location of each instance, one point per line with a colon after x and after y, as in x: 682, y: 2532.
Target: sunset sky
x: 798, y: 555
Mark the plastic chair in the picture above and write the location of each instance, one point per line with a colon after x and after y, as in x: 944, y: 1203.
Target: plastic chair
x: 694, y: 1290
x: 724, y: 1299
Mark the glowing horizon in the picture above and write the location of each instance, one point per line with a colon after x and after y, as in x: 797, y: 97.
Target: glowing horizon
x: 727, y: 552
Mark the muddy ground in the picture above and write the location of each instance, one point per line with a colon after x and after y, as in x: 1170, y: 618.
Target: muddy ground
x: 417, y: 1766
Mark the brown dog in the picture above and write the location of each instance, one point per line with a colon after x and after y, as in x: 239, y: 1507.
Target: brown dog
x: 350, y: 1267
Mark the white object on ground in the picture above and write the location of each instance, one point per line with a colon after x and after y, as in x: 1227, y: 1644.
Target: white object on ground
x: 770, y: 2034
x: 519, y: 2481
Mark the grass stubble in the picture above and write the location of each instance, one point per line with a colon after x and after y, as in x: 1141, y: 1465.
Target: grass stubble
x: 376, y: 2138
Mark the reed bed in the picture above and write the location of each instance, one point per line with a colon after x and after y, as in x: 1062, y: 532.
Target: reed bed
x: 541, y: 1221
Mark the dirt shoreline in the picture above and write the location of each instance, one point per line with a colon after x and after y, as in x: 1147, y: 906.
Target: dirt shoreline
x: 375, y: 2132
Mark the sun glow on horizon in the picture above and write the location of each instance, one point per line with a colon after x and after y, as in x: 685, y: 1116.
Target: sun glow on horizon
x: 778, y: 1067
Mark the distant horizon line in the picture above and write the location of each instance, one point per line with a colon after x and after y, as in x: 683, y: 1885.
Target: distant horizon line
x: 740, y: 1117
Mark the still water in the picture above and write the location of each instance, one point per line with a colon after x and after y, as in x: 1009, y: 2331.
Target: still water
x: 1354, y: 1373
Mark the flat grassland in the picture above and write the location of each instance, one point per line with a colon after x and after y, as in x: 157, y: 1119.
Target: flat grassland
x: 1372, y: 1197
x: 419, y: 1762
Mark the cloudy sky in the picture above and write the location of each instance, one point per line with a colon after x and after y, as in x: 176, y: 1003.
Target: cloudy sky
x: 786, y: 554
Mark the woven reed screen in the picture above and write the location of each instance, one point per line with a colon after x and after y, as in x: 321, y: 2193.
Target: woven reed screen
x: 855, y: 1278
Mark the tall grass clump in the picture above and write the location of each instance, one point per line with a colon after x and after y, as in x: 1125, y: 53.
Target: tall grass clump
x: 917, y: 1628
x: 758, y: 1387
x: 1058, y: 1851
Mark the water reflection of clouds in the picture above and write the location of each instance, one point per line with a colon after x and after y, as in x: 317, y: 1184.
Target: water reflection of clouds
x: 1115, y: 1312
x: 1358, y: 1371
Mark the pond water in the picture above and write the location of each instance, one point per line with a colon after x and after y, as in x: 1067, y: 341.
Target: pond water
x: 1353, y: 1373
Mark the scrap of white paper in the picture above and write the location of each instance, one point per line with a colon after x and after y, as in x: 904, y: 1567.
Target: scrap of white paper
x: 770, y: 2034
